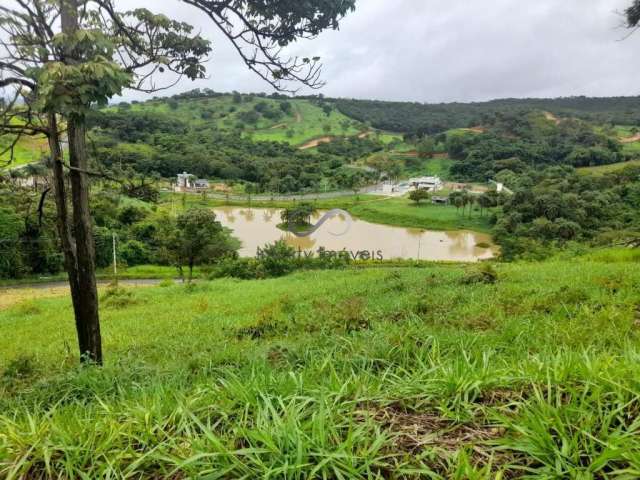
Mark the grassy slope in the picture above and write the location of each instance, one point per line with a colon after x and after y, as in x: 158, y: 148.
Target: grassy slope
x: 604, y: 169
x: 312, y: 120
x: 378, y: 373
x: 27, y: 150
x: 432, y: 166
x: 306, y: 119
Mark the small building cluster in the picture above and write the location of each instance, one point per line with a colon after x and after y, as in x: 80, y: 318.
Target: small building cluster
x: 431, y: 184
x: 187, y: 182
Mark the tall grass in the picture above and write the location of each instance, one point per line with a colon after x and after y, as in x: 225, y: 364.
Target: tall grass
x: 377, y: 373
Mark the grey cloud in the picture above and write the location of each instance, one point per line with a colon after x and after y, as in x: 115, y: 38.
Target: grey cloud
x: 451, y: 50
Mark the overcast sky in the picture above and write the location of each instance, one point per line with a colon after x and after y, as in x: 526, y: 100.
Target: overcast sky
x: 450, y: 50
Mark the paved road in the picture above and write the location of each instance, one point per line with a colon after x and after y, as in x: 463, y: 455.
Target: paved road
x: 302, y: 196
x: 63, y: 284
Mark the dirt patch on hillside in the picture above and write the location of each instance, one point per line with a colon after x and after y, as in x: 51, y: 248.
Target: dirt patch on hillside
x: 9, y: 298
x: 477, y: 129
x: 280, y: 125
x: 413, y: 153
x: 471, y: 187
x: 552, y: 118
x: 315, y: 143
x: 635, y: 138
x: 364, y: 134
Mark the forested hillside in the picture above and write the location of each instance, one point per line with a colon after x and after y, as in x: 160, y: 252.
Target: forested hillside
x: 233, y: 138
x: 419, y: 118
x: 253, y: 143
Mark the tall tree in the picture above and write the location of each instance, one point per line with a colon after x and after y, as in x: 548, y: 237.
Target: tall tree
x: 62, y: 57
x: 633, y: 14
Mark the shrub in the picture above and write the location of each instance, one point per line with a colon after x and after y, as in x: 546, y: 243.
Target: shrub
x: 134, y: 252
x: 482, y: 273
x: 243, y: 268
x: 20, y: 367
x: 117, y: 297
x: 131, y: 214
x: 419, y: 195
x: 350, y: 315
x: 277, y: 259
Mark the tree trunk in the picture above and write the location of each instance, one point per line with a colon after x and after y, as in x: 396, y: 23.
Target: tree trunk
x: 91, y: 347
x: 62, y: 223
x: 86, y: 303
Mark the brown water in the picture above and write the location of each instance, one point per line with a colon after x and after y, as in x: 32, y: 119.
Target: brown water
x: 255, y: 227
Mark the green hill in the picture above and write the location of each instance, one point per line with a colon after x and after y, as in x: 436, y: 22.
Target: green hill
x: 27, y: 150
x: 293, y: 121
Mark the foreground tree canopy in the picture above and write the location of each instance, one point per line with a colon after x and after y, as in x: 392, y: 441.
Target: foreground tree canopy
x: 61, y: 57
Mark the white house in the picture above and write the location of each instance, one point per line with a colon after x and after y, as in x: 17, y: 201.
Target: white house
x: 432, y: 184
x: 185, y: 181
x: 501, y: 187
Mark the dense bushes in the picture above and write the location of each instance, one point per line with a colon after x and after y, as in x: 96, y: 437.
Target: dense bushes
x: 275, y: 260
x: 557, y: 205
x: 163, y: 147
x: 28, y: 241
x: 11, y: 230
x: 520, y: 141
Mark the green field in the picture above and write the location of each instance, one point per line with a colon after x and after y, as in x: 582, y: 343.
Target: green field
x: 439, y: 167
x: 631, y: 149
x: 307, y: 123
x: 604, y: 169
x: 27, y: 150
x: 405, y: 213
x: 377, y: 373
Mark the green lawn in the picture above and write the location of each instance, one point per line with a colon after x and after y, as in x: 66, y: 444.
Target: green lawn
x: 604, y: 169
x: 405, y: 213
x: 359, y: 374
x: 28, y: 150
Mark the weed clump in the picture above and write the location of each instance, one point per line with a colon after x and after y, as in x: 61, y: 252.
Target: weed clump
x: 482, y: 273
x: 350, y: 315
x: 19, y: 368
x: 28, y: 308
x: 394, y: 282
x: 265, y: 324
x: 118, y: 298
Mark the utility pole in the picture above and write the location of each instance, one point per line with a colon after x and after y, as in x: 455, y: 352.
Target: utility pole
x: 115, y: 260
